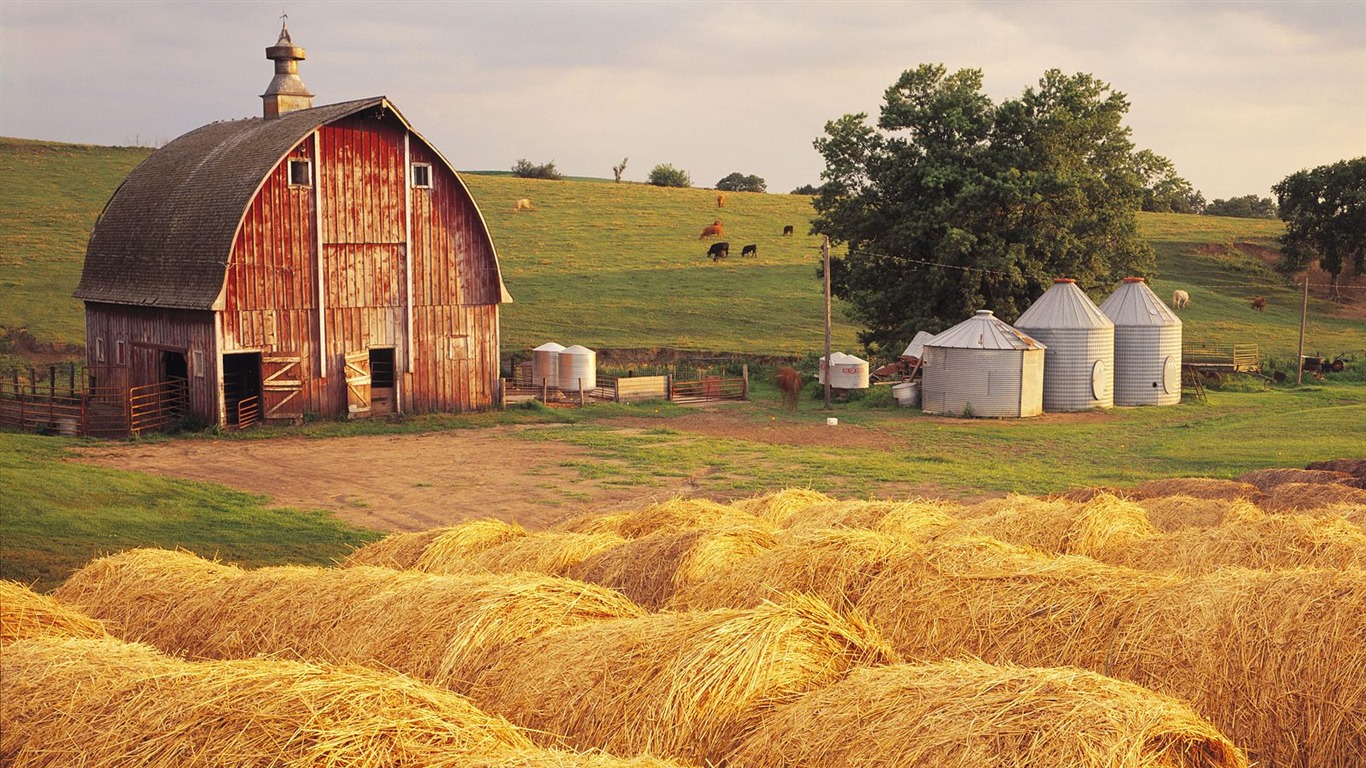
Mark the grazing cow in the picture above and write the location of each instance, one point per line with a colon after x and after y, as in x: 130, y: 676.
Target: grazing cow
x: 790, y: 382
x: 720, y: 201
x: 1180, y: 299
x: 787, y: 231
x: 1259, y: 303
x: 750, y: 250
x: 523, y: 205
x: 719, y: 251
x: 713, y: 231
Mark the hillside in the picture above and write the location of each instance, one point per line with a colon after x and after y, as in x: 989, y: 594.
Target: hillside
x: 620, y: 265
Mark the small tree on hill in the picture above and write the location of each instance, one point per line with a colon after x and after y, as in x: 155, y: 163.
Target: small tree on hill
x: 1245, y: 207
x: 526, y: 169
x: 665, y: 175
x: 617, y: 170
x: 1163, y: 190
x: 738, y: 182
x: 806, y: 189
x: 1324, y: 211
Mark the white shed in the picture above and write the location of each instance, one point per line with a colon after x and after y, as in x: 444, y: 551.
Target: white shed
x: 1079, y: 362
x: 984, y: 367
x: 1147, y: 346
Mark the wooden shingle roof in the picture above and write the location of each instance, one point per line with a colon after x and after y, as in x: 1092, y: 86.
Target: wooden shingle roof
x: 165, y: 236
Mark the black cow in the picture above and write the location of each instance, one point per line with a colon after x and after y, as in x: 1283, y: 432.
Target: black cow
x: 719, y: 251
x: 749, y: 250
x: 787, y: 230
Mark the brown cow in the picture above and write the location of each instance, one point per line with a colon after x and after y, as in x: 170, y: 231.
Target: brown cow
x: 1259, y: 303
x: 787, y: 231
x: 790, y: 382
x: 713, y: 231
x: 720, y: 201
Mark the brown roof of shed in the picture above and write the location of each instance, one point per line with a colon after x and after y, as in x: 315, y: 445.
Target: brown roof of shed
x: 165, y: 236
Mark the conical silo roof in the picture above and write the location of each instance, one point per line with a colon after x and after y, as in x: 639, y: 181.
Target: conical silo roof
x: 1134, y: 304
x: 983, y: 331
x: 1063, y: 306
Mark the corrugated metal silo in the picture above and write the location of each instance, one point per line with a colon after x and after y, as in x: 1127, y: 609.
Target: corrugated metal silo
x: 578, y: 369
x: 846, y: 371
x: 1079, y: 363
x: 984, y: 367
x: 1147, y: 346
x: 545, y: 364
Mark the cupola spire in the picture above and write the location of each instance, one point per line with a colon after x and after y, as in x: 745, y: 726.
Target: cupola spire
x: 286, y: 92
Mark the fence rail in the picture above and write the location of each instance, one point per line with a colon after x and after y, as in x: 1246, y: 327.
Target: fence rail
x: 1237, y: 358
x: 97, y: 403
x: 709, y: 389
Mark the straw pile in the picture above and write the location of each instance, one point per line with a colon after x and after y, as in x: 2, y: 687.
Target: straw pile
x: 652, y: 569
x: 682, y: 685
x: 969, y: 713
x: 913, y: 519
x: 982, y: 597
x: 1013, y: 503
x: 1267, y: 479
x: 156, y: 711
x: 783, y: 507
x: 1354, y: 467
x: 550, y: 758
x: 554, y: 553
x: 448, y: 552
x: 399, y: 551
x: 834, y: 565
x: 592, y: 522
x: 1352, y: 513
x: 25, y: 613
x: 1306, y: 497
x: 1197, y: 487
x: 1274, y: 659
x: 437, y: 628
x: 1102, y: 523
x: 1172, y: 513
x: 1250, y: 539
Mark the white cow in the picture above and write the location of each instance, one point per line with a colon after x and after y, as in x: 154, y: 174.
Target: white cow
x: 1180, y: 299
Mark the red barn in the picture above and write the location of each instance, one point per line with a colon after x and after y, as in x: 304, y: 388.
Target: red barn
x: 316, y: 260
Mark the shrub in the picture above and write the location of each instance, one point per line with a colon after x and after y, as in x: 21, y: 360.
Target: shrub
x: 527, y: 170
x: 738, y: 182
x: 665, y: 175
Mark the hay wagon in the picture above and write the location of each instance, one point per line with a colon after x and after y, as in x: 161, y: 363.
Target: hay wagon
x: 1220, y: 359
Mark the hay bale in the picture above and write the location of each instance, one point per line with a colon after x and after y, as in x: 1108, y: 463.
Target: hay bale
x: 972, y: 713
x: 592, y: 522
x: 999, y: 602
x: 399, y: 551
x: 911, y: 518
x: 684, y: 685
x: 155, y: 711
x: 1173, y: 513
x: 782, y: 508
x: 1015, y: 502
x: 1352, y: 513
x: 1063, y: 528
x: 553, y: 758
x: 652, y: 569
x: 920, y: 520
x: 554, y: 553
x: 1247, y: 538
x: 1354, y: 467
x: 1267, y: 479
x: 1082, y: 495
x: 448, y: 552
x: 1274, y: 659
x: 25, y: 613
x: 1197, y: 487
x: 833, y: 564
x: 681, y: 514
x: 437, y: 628
x: 1306, y: 497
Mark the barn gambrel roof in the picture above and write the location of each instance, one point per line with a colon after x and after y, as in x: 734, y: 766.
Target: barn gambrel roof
x: 165, y: 237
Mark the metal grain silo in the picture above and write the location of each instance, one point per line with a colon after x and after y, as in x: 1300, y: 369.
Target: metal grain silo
x: 545, y: 365
x: 578, y: 369
x: 982, y: 367
x: 1147, y: 346
x: 846, y: 371
x: 1079, y: 362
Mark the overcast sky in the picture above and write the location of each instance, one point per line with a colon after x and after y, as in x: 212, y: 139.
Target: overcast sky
x: 1237, y: 94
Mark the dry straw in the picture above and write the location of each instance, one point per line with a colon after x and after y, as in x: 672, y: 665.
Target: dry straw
x: 1267, y: 479
x: 551, y: 758
x: 1173, y: 513
x: 1275, y: 659
x: 397, y: 550
x: 652, y: 569
x: 438, y: 628
x: 449, y: 552
x: 25, y: 613
x: 1061, y: 527
x: 1352, y: 513
x: 555, y: 553
x: 689, y: 686
x: 1307, y: 497
x: 105, y: 704
x: 913, y: 519
x: 969, y: 713
x: 1013, y: 503
x: 834, y: 565
x: 783, y: 507
x: 1354, y: 467
x: 1197, y: 487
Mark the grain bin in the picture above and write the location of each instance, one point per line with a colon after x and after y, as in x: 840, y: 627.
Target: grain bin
x: 1079, y: 362
x: 983, y: 367
x: 1147, y: 346
x: 578, y: 369
x: 545, y: 365
x: 846, y: 371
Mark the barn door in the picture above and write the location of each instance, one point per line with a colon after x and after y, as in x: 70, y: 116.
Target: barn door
x: 358, y: 383
x: 282, y: 387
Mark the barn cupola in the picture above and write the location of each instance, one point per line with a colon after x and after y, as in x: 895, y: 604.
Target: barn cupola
x: 286, y: 93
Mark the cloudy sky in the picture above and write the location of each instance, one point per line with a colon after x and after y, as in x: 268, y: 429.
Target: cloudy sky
x: 1236, y: 94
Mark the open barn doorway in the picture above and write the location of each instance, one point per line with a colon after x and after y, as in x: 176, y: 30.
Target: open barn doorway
x: 242, y: 389
x: 382, y: 381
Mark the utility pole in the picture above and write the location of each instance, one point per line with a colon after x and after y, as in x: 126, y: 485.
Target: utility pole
x: 1304, y: 313
x: 825, y: 362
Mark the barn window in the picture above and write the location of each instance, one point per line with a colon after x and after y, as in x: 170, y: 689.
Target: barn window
x: 198, y: 357
x: 119, y: 356
x: 422, y: 175
x: 300, y: 173
x: 99, y: 349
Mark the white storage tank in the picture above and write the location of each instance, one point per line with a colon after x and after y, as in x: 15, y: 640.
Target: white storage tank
x: 982, y: 367
x: 846, y: 371
x: 1079, y: 359
x: 1147, y: 346
x: 545, y: 365
x: 578, y: 369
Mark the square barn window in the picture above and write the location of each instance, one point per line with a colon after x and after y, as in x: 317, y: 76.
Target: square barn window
x: 422, y: 175
x: 300, y: 173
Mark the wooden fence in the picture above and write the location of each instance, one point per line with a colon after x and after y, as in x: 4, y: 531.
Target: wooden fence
x: 95, y: 404
x: 1228, y: 358
x: 630, y: 389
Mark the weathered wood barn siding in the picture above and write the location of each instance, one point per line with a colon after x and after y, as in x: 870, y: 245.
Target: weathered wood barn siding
x: 146, y: 332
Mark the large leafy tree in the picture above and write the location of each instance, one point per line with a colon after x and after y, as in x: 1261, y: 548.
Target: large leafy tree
x: 952, y: 203
x: 1244, y: 207
x: 1163, y: 190
x: 739, y: 182
x: 1324, y: 210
